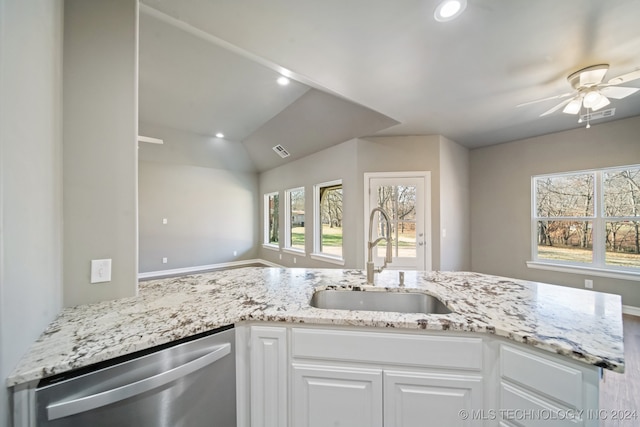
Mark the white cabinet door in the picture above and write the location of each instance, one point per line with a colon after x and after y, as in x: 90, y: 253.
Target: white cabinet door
x: 268, y: 376
x: 416, y: 399
x: 327, y: 396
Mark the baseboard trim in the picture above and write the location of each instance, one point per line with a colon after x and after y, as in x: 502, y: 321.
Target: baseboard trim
x: 629, y: 309
x: 199, y: 268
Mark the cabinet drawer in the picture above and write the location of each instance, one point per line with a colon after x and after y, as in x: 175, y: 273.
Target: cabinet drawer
x: 375, y: 347
x: 528, y: 410
x: 542, y: 375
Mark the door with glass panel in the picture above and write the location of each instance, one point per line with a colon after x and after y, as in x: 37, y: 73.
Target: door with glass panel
x: 403, y: 196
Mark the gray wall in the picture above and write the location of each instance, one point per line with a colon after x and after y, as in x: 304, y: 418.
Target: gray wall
x: 455, y: 242
x: 501, y: 197
x: 30, y: 177
x: 349, y: 161
x: 99, y: 155
x: 207, y: 190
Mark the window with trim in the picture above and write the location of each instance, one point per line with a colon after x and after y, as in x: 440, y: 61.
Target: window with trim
x: 294, y: 219
x: 588, y: 218
x: 271, y: 219
x: 328, y: 219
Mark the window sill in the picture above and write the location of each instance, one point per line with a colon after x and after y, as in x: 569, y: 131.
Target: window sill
x: 292, y: 251
x: 328, y: 258
x: 271, y: 247
x: 592, y: 271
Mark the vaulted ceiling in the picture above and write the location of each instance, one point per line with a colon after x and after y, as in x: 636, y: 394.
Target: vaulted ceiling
x: 375, y: 67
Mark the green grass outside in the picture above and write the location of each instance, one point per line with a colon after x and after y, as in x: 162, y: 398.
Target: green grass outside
x: 297, y: 239
x: 330, y: 236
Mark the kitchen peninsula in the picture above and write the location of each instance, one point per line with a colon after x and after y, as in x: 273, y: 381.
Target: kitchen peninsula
x: 562, y: 333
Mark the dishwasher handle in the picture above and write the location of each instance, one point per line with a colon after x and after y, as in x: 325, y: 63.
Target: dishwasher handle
x: 83, y: 404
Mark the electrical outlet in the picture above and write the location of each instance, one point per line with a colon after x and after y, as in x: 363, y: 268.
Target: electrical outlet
x: 235, y: 253
x: 100, y: 270
x: 294, y: 260
x: 588, y: 283
x: 165, y: 221
x: 164, y: 260
x: 280, y: 256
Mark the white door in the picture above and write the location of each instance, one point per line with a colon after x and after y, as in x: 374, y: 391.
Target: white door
x: 405, y: 197
x: 410, y: 398
x: 327, y: 396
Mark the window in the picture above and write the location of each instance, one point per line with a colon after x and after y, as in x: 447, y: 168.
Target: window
x: 295, y: 219
x: 621, y: 189
x: 328, y: 221
x: 588, y: 219
x: 271, y: 219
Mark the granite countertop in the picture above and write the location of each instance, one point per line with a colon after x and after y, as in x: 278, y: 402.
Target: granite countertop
x: 579, y: 324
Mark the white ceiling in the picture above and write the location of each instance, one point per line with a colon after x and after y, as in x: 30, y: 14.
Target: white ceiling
x: 461, y: 79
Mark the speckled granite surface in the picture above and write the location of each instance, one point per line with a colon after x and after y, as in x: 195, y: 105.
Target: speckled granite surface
x: 578, y: 324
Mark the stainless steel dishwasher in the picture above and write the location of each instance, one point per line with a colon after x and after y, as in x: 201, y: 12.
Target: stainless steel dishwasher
x: 190, y: 384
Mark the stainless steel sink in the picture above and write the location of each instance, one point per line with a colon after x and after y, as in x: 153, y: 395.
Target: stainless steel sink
x: 402, y: 302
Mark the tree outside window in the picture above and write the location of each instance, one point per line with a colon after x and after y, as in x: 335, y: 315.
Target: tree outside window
x: 329, y: 239
x: 272, y: 215
x: 295, y: 237
x: 399, y: 201
x: 564, y: 211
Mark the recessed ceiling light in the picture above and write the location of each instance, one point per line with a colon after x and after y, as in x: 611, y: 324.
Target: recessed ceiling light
x: 449, y: 9
x: 283, y: 81
x: 219, y: 135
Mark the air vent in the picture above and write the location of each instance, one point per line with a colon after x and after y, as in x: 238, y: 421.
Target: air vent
x: 598, y: 115
x: 279, y: 149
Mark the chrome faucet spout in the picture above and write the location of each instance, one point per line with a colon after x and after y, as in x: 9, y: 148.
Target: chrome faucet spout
x: 371, y: 269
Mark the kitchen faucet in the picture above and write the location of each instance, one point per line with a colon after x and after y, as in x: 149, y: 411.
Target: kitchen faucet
x: 371, y: 269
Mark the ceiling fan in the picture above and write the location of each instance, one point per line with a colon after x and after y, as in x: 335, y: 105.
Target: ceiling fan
x: 590, y: 91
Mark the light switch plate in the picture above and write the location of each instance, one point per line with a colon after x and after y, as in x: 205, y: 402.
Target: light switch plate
x: 100, y: 270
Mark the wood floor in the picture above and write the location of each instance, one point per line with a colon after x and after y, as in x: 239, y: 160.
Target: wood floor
x: 621, y: 392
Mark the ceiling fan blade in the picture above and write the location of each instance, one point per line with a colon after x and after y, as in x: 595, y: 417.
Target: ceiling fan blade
x: 618, y: 92
x: 592, y: 77
x: 557, y: 107
x: 545, y: 99
x: 625, y: 78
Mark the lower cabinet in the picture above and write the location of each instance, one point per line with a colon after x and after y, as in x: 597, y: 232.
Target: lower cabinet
x: 326, y: 377
x: 335, y: 396
x: 416, y: 399
x: 372, y: 397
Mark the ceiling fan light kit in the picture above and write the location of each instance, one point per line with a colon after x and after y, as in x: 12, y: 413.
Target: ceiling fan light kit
x: 590, y: 90
x: 573, y: 107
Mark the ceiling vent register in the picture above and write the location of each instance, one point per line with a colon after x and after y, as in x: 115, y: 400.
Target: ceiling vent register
x: 280, y: 150
x: 598, y: 115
